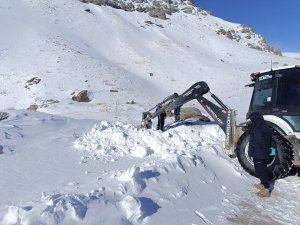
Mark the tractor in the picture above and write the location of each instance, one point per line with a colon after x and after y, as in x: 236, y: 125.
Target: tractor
x: 276, y: 95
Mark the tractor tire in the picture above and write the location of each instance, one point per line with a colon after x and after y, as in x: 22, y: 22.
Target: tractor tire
x: 278, y: 165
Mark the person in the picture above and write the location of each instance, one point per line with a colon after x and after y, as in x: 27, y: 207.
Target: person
x: 177, y: 110
x: 259, y: 148
x: 161, y: 119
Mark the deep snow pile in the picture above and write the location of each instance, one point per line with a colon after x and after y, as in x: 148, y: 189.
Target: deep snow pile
x: 115, y: 140
x: 133, y: 174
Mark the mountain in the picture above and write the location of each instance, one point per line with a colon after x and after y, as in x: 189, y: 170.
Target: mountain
x: 100, y: 48
x: 162, y: 9
x: 69, y: 162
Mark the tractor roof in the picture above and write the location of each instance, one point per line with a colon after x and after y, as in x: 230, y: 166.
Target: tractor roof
x: 258, y: 74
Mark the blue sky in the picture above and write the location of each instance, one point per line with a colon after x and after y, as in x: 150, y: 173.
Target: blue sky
x: 277, y: 20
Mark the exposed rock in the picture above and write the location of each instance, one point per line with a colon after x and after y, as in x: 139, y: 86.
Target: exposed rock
x: 231, y: 34
x: 139, y: 1
x: 156, y: 3
x: 129, y: 7
x: 3, y: 115
x: 149, y: 22
x: 188, y: 10
x: 114, y: 4
x: 113, y: 90
x: 82, y: 96
x: 156, y: 8
x: 268, y: 48
x: 32, y: 81
x: 33, y: 107
x: 97, y: 2
x: 157, y: 12
x: 250, y: 45
x: 49, y: 102
x: 147, y: 9
x: 130, y: 102
x: 246, y: 33
x: 140, y: 9
x: 174, y: 9
x: 222, y: 32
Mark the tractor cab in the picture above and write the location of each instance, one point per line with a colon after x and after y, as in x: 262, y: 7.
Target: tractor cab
x: 277, y: 92
x: 276, y: 95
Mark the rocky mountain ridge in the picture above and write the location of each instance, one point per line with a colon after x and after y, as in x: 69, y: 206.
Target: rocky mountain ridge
x: 155, y: 8
x: 161, y: 9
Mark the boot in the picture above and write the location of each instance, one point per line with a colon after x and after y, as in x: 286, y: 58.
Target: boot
x: 264, y: 192
x: 259, y: 186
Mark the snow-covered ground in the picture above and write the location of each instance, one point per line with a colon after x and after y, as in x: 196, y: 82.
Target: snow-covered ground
x: 88, y: 163
x: 57, y: 170
x: 292, y: 55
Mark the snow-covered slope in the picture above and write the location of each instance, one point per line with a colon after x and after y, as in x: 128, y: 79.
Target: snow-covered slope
x: 86, y: 162
x: 106, y: 49
x: 292, y: 55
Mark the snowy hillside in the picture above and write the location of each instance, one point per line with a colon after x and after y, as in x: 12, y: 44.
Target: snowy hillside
x: 67, y: 162
x: 107, y: 49
x: 292, y: 55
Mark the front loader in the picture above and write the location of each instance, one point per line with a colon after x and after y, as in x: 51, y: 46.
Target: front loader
x: 270, y: 97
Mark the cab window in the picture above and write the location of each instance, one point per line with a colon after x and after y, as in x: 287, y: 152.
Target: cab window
x: 262, y: 95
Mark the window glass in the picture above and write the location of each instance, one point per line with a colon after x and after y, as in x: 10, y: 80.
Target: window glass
x: 262, y: 94
x: 288, y: 91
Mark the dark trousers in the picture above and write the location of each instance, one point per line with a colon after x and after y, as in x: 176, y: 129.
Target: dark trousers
x: 161, y: 121
x: 177, y: 114
x: 260, y: 166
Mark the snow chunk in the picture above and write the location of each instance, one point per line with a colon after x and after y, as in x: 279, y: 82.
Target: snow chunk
x: 132, y: 208
x: 11, y: 216
x: 129, y: 174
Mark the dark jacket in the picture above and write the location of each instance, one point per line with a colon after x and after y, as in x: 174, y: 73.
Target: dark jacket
x: 260, y: 137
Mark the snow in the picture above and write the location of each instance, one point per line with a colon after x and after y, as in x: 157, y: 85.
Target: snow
x: 90, y: 163
x: 292, y: 55
x: 70, y: 170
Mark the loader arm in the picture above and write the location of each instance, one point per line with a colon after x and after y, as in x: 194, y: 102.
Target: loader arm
x: 196, y: 90
x: 226, y: 119
x: 222, y: 115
